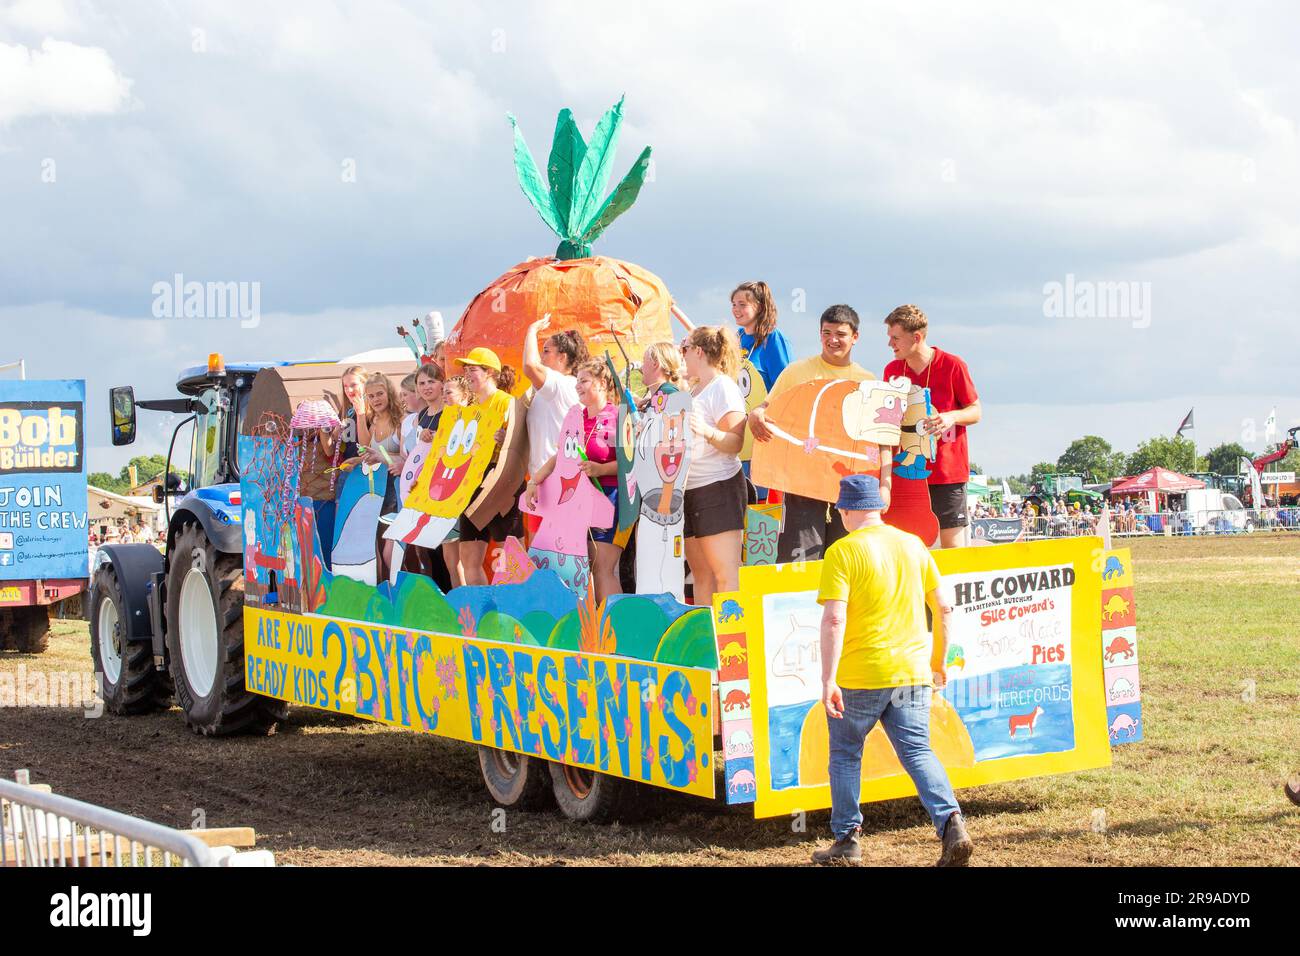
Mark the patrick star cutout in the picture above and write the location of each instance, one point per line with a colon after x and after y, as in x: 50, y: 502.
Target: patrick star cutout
x: 569, y: 505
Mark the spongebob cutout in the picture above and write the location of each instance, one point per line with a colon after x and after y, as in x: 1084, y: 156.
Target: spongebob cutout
x: 909, y: 506
x: 755, y: 392
x: 663, y: 452
x: 826, y: 429
x: 458, y: 459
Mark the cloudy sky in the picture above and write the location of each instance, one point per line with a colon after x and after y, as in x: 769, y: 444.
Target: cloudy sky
x: 354, y: 160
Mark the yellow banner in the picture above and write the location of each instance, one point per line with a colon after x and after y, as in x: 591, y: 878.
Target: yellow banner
x: 634, y: 719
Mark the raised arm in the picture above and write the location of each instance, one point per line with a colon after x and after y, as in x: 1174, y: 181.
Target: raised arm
x: 533, y: 367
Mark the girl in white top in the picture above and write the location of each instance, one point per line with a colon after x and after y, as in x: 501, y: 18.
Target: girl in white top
x: 716, y: 488
x: 555, y: 389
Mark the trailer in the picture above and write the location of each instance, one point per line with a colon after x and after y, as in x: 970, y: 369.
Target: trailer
x: 44, y: 550
x: 572, y: 704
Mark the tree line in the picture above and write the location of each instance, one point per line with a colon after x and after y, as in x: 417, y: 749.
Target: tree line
x: 146, y: 467
x: 1095, y: 459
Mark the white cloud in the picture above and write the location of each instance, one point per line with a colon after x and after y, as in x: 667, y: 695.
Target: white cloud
x: 59, y: 79
x: 38, y: 16
x: 959, y: 157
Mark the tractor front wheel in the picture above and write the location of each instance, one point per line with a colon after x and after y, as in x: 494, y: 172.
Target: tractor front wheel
x: 131, y: 684
x: 205, y: 640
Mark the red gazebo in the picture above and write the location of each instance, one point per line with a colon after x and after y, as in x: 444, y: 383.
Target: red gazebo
x: 1156, y: 479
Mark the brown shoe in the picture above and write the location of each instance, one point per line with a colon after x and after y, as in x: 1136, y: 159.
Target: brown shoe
x: 957, y: 845
x: 846, y: 848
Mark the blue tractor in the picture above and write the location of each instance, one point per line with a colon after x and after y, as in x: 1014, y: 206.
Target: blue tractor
x: 164, y: 627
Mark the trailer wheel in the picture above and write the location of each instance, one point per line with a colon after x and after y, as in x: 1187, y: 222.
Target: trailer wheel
x: 32, y: 629
x: 132, y: 685
x: 205, y: 640
x: 515, y: 780
x: 590, y: 796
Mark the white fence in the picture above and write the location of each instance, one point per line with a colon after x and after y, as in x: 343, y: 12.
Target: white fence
x: 41, y: 829
x: 1126, y: 524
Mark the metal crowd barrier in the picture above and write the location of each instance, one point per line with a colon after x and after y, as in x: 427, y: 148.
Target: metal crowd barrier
x: 1180, y: 523
x: 41, y: 829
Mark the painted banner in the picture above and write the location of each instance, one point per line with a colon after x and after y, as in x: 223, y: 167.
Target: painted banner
x: 1119, y: 649
x: 734, y: 713
x: 643, y: 721
x: 1024, y: 698
x: 762, y: 530
x: 43, y: 531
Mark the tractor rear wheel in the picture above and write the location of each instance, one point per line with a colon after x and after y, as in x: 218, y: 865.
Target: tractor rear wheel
x: 205, y: 640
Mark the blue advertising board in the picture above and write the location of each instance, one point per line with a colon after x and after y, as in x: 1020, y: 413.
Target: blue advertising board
x: 42, y: 480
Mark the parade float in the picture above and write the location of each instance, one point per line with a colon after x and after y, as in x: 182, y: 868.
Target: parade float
x: 582, y: 703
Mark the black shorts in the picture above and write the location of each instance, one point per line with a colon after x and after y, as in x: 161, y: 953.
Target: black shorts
x: 717, y: 507
x: 948, y: 502
x: 498, y: 529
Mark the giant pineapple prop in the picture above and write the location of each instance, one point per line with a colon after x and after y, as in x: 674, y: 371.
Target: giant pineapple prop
x: 602, y: 298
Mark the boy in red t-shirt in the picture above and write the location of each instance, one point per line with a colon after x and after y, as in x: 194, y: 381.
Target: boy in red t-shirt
x: 956, y: 405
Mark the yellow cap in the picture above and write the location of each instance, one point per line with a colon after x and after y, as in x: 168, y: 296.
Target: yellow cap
x: 481, y: 356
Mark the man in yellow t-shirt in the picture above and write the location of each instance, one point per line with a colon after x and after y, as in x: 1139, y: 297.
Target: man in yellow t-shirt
x: 810, y: 526
x: 880, y: 664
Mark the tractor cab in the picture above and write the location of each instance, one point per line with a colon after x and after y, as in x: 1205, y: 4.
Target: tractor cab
x: 170, y: 627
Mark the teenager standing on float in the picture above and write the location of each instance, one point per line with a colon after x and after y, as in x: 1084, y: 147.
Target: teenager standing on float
x: 812, y: 526
x: 754, y: 310
x: 716, y: 488
x: 956, y: 405
x: 599, y: 430
x: 661, y: 371
x: 551, y: 370
x: 491, y: 384
x: 352, y: 409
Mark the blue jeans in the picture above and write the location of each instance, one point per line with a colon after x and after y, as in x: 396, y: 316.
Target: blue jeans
x: 905, y: 714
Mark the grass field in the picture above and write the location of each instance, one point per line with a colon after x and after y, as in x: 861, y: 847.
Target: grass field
x: 1221, y: 713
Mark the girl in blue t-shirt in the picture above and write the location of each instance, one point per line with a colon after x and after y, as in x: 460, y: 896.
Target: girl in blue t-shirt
x: 761, y: 341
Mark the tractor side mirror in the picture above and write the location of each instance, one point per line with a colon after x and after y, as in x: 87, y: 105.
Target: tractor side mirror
x: 121, y: 403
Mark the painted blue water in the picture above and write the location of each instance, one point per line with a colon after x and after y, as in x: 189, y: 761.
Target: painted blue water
x: 986, y: 705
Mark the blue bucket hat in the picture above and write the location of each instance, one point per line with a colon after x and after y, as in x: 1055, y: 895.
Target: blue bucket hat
x: 860, y: 493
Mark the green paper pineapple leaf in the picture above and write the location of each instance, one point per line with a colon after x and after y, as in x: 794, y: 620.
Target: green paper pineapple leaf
x: 572, y: 201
